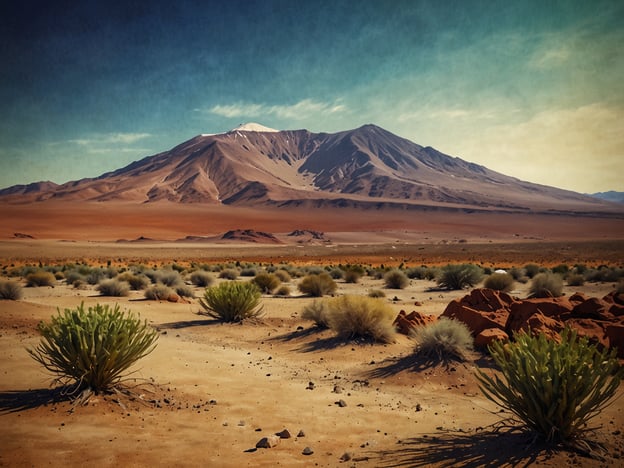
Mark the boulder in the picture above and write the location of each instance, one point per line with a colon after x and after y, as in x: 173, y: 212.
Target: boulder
x: 594, y: 308
x: 594, y: 330
x: 268, y: 442
x: 614, y: 333
x: 487, y: 336
x: 475, y: 320
x: 539, y: 323
x: 405, y: 323
x: 521, y: 311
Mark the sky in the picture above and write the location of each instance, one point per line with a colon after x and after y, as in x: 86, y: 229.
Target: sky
x: 532, y: 89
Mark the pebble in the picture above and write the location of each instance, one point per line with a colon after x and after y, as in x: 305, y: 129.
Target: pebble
x: 307, y: 451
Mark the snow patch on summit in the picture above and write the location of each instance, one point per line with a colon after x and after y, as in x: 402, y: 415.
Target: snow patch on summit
x: 253, y: 127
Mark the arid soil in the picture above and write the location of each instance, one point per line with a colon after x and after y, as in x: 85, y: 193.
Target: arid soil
x: 211, y: 391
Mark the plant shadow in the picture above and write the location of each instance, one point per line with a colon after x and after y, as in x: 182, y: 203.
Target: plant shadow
x: 187, y: 324
x: 22, y: 400
x: 477, y: 449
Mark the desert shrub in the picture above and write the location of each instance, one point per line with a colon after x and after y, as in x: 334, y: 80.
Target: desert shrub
x: 352, y: 275
x: 395, y: 279
x: 283, y: 275
x: 554, y: 388
x: 313, y: 270
x: 580, y: 268
x: 336, y: 273
x: 73, y: 275
x: 266, y: 282
x: 575, y: 279
x: 619, y: 288
x: 444, y: 340
x: 229, y: 274
x: 79, y: 284
x: 136, y: 282
x: 499, y: 281
x: 517, y: 273
x: 362, y: 317
x: 318, y: 312
x: 11, y: 290
x: 201, y: 278
x: 459, y: 276
x: 158, y: 292
x: 546, y: 285
x: 317, y: 285
x: 113, y: 287
x: 93, y: 348
x: 416, y: 272
x: 561, y: 269
x: 59, y: 275
x: 169, y: 278
x: 184, y: 290
x: 604, y: 274
x: 531, y: 270
x: 40, y: 278
x: 377, y: 293
x: 249, y: 272
x: 232, y: 301
x: 96, y: 275
x: 283, y: 291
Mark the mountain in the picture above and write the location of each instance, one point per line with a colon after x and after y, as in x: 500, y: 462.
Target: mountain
x: 253, y: 165
x: 611, y: 195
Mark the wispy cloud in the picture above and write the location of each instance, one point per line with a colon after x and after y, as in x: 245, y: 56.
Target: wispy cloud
x: 303, y: 109
x: 111, y: 139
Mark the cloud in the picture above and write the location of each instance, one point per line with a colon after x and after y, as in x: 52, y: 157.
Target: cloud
x: 111, y: 139
x: 303, y: 109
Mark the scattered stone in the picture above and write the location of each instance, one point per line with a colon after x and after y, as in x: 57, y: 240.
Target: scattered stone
x: 310, y: 386
x: 346, y: 457
x: 338, y: 389
x: 341, y: 403
x: 307, y: 451
x: 418, y: 407
x: 285, y: 434
x: 301, y: 433
x: 268, y: 442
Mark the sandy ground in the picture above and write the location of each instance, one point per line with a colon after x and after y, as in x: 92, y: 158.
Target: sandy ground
x: 210, y: 391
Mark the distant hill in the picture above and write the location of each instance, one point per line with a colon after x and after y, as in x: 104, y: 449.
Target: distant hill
x: 612, y: 196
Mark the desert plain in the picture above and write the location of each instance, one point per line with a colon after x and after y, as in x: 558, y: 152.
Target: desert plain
x: 210, y: 391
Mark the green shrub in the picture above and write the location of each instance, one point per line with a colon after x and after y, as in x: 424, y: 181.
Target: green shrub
x: 40, y: 278
x: 499, y: 282
x: 232, y: 301
x: 283, y: 291
x: 266, y: 282
x: 376, y: 293
x: 546, y: 285
x: 113, y: 287
x: 201, y: 278
x: 10, y: 290
x: 445, y: 339
x: 555, y: 389
x: 575, y: 279
x: 416, y: 273
x: 158, y: 292
x: 93, y: 348
x: 229, y: 274
x: 317, y: 285
x: 362, y: 317
x: 318, y: 312
x: 459, y: 276
x: 396, y: 279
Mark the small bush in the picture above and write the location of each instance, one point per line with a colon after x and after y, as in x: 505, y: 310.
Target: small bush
x: 554, y: 388
x: 499, y: 282
x: 376, y: 293
x: 249, y: 272
x: 229, y: 274
x: 266, y: 282
x: 531, y: 270
x: 396, y: 279
x: 202, y: 279
x: 444, y: 340
x: 283, y: 291
x: 283, y: 276
x: 158, y: 292
x: 459, y: 276
x: 416, y: 273
x: 113, y: 287
x: 575, y: 279
x: 169, y: 278
x: 336, y: 273
x: 561, y: 269
x: 362, y: 317
x: 317, y: 285
x: 318, y: 312
x: 93, y: 348
x: 96, y: 275
x: 72, y: 276
x: 352, y: 276
x: 10, y: 290
x: 232, y: 302
x: 546, y: 285
x: 184, y: 290
x: 40, y: 278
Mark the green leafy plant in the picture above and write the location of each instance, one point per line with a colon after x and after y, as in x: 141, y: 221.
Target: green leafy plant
x: 361, y: 317
x: 499, y: 282
x: 459, y: 276
x: 546, y: 285
x: 40, y: 278
x: 113, y: 287
x: 232, y: 301
x: 396, y: 279
x: 93, y: 348
x: 317, y: 285
x: 266, y: 282
x: 553, y: 388
x: 10, y: 290
x: 444, y: 340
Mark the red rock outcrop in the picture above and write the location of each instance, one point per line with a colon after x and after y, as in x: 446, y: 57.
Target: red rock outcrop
x: 405, y: 323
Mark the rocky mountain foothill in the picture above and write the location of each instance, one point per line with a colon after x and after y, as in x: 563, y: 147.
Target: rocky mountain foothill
x: 494, y: 315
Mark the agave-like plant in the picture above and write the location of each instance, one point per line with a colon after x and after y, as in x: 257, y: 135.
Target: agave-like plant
x: 93, y: 348
x: 554, y: 388
x: 232, y: 301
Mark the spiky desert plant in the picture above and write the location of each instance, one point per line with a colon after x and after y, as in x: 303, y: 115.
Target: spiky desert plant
x: 40, y: 278
x: 459, y: 276
x: 93, y: 348
x: 201, y: 278
x: 396, y: 279
x: 11, y: 290
x: 232, y: 301
x: 158, y: 292
x: 553, y: 388
x: 317, y: 285
x: 499, y: 282
x: 318, y: 312
x: 362, y: 317
x: 266, y: 282
x: 113, y: 287
x: 546, y: 285
x: 444, y: 340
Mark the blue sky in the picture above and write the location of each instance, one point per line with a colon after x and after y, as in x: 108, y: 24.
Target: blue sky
x: 533, y: 89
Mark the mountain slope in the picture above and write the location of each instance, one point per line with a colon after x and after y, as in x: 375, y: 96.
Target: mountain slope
x: 254, y: 165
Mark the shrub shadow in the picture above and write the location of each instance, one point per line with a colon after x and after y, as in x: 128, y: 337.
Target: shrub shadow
x: 478, y: 449
x: 22, y: 400
x: 187, y: 324
x: 412, y: 363
x: 298, y: 334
